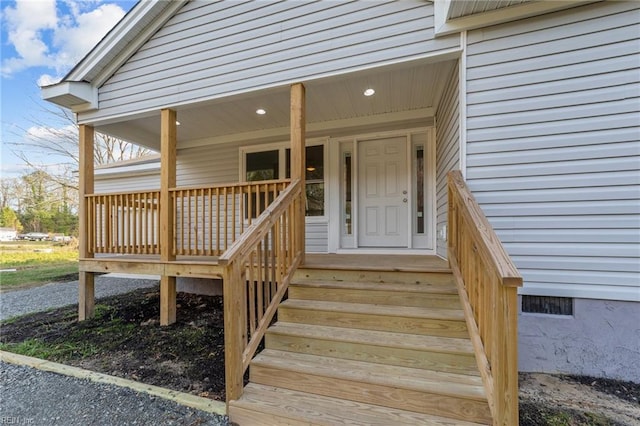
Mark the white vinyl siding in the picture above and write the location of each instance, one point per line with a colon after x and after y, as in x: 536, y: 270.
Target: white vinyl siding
x: 447, y: 151
x: 132, y: 182
x: 553, y: 147
x: 213, y: 49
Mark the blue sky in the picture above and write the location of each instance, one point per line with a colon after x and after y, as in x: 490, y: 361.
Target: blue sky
x: 41, y: 41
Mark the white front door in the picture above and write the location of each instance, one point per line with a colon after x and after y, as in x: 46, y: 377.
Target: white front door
x: 382, y: 196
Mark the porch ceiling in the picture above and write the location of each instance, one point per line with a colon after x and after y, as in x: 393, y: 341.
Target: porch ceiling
x: 406, y: 94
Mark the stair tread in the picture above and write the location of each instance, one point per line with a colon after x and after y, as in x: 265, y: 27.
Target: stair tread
x: 366, y: 308
x: 449, y: 288
x: 422, y: 380
x: 323, y: 410
x: 379, y: 338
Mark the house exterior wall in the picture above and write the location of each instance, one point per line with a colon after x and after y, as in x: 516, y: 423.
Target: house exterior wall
x: 132, y: 182
x: 552, y: 156
x: 255, y: 45
x: 553, y: 147
x: 447, y: 153
x: 601, y: 339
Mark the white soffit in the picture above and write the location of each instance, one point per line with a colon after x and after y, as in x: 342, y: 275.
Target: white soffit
x: 452, y: 16
x: 75, y: 95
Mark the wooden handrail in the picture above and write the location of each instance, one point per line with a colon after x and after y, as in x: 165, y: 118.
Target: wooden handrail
x: 258, y: 268
x: 231, y: 185
x: 487, y: 281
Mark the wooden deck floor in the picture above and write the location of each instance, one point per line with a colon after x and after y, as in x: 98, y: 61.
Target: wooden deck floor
x: 376, y: 262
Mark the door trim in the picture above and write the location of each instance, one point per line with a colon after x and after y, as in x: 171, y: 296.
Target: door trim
x: 338, y: 242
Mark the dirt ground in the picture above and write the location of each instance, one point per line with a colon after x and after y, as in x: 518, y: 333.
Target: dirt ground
x: 124, y: 339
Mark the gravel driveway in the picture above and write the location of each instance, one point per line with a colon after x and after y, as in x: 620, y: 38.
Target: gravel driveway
x: 56, y: 295
x: 32, y: 397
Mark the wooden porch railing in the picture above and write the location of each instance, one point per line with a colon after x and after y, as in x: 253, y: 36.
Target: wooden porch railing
x: 487, y: 281
x: 258, y: 269
x: 125, y: 223
x: 206, y: 220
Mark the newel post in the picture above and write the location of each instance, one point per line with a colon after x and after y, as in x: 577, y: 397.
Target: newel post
x: 298, y: 158
x: 235, y: 328
x: 168, y: 140
x: 86, y: 291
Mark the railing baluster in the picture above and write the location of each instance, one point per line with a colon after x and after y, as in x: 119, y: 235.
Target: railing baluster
x: 218, y: 222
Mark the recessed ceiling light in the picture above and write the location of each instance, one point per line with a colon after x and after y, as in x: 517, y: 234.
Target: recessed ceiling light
x: 369, y: 92
x: 261, y: 111
x: 177, y: 123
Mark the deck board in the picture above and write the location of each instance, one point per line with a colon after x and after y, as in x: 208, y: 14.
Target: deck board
x: 376, y: 262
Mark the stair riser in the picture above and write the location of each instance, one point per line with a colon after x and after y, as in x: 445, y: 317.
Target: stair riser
x: 398, y: 324
x: 245, y: 417
x: 445, y: 362
x: 422, y: 300
x: 405, y: 399
x: 311, y: 275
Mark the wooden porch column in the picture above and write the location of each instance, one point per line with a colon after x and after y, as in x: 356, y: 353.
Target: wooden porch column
x: 168, y: 137
x: 298, y: 156
x: 86, y: 290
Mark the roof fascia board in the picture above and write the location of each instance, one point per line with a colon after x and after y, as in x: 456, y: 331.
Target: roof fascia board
x: 444, y: 26
x: 161, y: 11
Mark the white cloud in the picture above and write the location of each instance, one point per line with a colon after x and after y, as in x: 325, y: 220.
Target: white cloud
x: 25, y: 25
x: 52, y: 134
x: 43, y: 35
x: 75, y: 40
x: 46, y: 80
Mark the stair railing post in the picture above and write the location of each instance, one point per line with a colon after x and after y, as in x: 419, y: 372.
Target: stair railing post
x: 234, y: 329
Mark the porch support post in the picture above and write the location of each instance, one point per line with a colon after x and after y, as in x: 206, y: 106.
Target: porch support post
x: 168, y: 137
x: 86, y: 290
x: 298, y: 157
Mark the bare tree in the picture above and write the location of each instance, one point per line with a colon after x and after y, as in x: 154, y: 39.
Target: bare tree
x: 54, y: 132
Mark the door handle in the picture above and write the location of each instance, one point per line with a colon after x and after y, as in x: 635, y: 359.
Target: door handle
x: 404, y: 192
x: 404, y: 200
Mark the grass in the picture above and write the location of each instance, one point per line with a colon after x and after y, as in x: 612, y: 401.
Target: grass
x: 36, y: 263
x: 77, y: 343
x: 38, y: 349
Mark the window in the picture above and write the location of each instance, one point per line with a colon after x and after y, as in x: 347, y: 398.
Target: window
x: 314, y: 176
x: 419, y: 178
x: 266, y: 165
x: 261, y: 166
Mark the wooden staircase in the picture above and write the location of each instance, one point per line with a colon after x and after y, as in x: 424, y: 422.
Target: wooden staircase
x: 366, y: 348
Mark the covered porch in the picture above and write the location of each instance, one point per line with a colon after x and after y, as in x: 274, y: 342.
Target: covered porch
x: 250, y: 235
x: 184, y: 226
